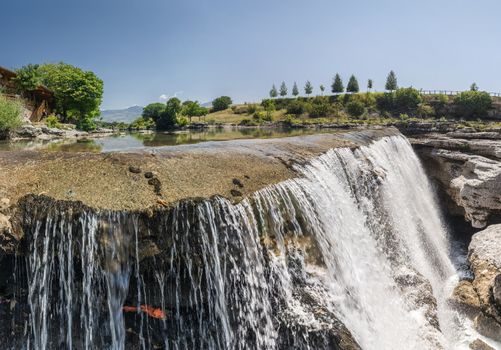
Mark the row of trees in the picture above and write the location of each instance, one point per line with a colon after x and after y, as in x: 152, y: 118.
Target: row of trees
x: 175, y: 113
x: 78, y: 93
x: 337, y: 86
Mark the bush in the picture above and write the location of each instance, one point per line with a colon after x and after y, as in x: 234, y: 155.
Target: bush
x: 261, y: 116
x: 424, y: 110
x: 86, y: 124
x: 355, y: 108
x: 251, y: 109
x: 248, y: 122
x: 320, y: 109
x: 298, y: 107
x: 221, y: 103
x: 407, y: 100
x: 52, y: 121
x: 472, y: 104
x: 182, y: 121
x: 10, y: 114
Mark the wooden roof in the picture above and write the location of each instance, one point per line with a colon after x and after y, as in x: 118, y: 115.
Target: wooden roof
x: 7, y: 72
x: 40, y: 90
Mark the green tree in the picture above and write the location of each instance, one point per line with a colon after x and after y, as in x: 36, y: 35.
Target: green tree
x: 221, y: 103
x: 308, y: 88
x: 153, y: 111
x: 369, y: 85
x: 474, y: 87
x: 28, y: 77
x: 295, y: 90
x: 273, y: 91
x: 78, y: 93
x: 283, y: 89
x: 337, y: 85
x: 352, y: 85
x: 193, y: 109
x: 168, y: 119
x: 391, y: 81
x: 472, y: 104
x: 322, y: 89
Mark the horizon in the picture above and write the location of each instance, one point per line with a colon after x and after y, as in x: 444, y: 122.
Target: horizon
x: 147, y: 52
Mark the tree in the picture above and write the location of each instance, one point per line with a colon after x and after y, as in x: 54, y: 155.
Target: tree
x: 283, y: 89
x: 273, y: 91
x: 474, y: 87
x: 472, y: 104
x: 193, y: 109
x: 308, y: 88
x: 28, y: 77
x: 352, y: 84
x: 295, y: 90
x: 337, y: 85
x: 153, y: 111
x: 322, y: 88
x: 391, y: 81
x: 221, y: 103
x: 168, y: 118
x: 369, y: 85
x: 78, y: 93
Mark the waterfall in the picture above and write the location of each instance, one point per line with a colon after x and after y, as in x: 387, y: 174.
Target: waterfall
x: 350, y: 254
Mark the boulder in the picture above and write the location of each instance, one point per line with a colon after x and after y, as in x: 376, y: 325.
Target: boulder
x: 480, y: 345
x: 484, y: 255
x: 466, y: 298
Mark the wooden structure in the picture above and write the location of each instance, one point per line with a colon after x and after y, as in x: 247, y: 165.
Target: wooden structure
x: 39, y: 101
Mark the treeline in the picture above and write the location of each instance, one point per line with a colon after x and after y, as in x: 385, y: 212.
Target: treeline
x: 337, y: 86
x: 400, y: 103
x: 78, y: 94
x: 174, y: 113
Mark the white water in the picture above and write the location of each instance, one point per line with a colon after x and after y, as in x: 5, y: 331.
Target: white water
x: 359, y: 234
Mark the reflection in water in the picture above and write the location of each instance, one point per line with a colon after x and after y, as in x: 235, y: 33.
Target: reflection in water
x: 122, y: 142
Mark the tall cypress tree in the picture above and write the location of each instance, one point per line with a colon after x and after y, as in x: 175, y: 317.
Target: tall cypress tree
x: 273, y: 91
x: 369, y: 85
x: 337, y: 85
x: 295, y: 90
x: 283, y: 89
x: 391, y: 81
x: 352, y: 85
x: 308, y: 88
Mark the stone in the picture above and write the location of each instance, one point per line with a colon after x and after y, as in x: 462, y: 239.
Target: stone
x: 4, y: 203
x: 26, y: 131
x: 134, y: 169
x: 465, y: 297
x: 236, y: 193
x: 496, y: 291
x: 150, y: 174
x: 157, y: 185
x: 478, y: 344
x: 488, y: 327
x: 238, y: 183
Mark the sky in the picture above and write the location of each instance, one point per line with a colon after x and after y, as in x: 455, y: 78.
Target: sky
x: 148, y: 50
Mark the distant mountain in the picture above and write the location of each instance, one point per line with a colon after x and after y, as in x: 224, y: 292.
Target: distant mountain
x: 126, y: 115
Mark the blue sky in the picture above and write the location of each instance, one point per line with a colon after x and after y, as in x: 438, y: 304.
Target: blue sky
x: 143, y: 49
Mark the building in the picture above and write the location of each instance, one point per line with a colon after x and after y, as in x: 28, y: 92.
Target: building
x: 39, y: 102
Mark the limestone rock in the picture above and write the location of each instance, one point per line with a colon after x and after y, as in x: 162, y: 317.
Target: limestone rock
x: 480, y: 345
x: 465, y: 297
x: 484, y: 254
x: 472, y: 182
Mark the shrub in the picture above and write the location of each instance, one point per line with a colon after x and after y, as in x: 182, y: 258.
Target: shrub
x: 10, y: 114
x: 384, y: 101
x: 251, y: 109
x: 407, y: 99
x: 52, y: 121
x: 472, y: 104
x: 86, y: 124
x: 221, y: 103
x: 424, y: 110
x: 355, y: 108
x: 296, y: 108
x: 182, y: 121
x: 247, y: 122
x: 320, y: 109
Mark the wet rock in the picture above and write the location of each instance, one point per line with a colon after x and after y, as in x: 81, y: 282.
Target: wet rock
x: 480, y: 345
x: 484, y: 255
x: 487, y: 326
x: 26, y: 131
x: 135, y: 169
x: 466, y: 298
x: 157, y: 185
x: 238, y: 183
x: 236, y: 193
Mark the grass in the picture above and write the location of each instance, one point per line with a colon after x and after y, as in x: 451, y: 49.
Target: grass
x: 228, y: 116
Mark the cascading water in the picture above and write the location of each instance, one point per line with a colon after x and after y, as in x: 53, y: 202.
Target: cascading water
x: 352, y: 254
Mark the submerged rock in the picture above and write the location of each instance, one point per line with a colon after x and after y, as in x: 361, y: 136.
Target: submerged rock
x: 480, y: 345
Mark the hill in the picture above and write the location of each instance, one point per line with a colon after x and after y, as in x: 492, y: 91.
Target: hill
x: 126, y: 115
